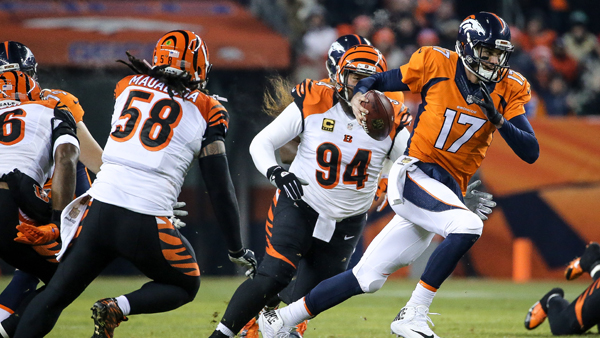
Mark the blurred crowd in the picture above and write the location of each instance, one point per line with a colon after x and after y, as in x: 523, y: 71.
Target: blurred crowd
x: 556, y: 45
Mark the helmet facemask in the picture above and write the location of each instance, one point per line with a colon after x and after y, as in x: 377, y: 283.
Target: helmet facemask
x: 362, y: 60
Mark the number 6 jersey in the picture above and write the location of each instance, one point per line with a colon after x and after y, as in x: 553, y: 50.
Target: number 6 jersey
x: 153, y: 140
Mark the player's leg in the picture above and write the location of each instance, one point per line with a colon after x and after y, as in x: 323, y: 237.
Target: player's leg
x: 436, y: 208
x: 82, y: 263
x: 163, y: 255
x: 21, y: 285
x: 289, y: 231
x: 396, y: 246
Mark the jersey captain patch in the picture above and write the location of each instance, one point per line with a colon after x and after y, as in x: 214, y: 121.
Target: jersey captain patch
x: 328, y: 124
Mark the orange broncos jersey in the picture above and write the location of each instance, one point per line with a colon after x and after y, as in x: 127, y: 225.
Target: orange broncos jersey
x: 448, y: 130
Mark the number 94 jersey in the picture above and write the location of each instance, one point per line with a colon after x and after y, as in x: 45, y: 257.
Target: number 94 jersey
x: 450, y: 129
x: 153, y: 140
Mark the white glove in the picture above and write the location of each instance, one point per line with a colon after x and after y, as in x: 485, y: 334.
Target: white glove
x: 245, y: 258
x: 479, y: 202
x: 177, y: 223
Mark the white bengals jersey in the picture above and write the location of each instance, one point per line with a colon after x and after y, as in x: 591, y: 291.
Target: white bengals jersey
x: 30, y: 132
x: 152, y: 143
x: 336, y: 156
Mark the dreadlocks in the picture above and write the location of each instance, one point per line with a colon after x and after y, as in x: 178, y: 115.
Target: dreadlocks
x: 181, y: 83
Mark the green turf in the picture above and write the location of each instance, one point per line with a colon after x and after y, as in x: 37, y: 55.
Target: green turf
x: 468, y: 308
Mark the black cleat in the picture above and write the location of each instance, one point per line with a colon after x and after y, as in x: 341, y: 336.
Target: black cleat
x: 107, y: 315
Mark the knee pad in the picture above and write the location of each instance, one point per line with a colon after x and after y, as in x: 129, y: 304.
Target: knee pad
x: 467, y: 223
x: 369, y: 279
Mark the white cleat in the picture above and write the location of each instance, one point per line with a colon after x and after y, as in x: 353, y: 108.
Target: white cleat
x: 271, y: 325
x: 411, y: 322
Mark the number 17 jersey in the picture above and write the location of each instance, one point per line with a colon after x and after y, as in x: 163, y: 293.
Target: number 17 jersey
x: 450, y: 129
x: 152, y: 143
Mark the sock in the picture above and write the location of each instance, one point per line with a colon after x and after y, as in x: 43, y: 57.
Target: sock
x: 332, y: 292
x: 422, y: 295
x: 294, y: 313
x: 123, y: 303
x: 594, y: 270
x: 445, y: 258
x: 225, y: 330
x: 4, y: 314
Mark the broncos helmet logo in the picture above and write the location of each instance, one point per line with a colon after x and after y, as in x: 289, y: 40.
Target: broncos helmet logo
x: 472, y: 25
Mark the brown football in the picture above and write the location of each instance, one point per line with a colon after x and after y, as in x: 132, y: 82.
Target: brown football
x: 380, y: 118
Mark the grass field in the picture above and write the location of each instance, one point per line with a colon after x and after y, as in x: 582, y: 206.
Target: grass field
x: 468, y: 308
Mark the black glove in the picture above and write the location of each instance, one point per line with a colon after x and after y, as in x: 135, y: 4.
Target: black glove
x: 286, y: 181
x: 487, y: 105
x: 245, y: 258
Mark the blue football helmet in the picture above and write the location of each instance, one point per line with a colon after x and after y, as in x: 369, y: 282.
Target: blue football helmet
x: 338, y: 48
x: 484, y: 30
x: 16, y: 56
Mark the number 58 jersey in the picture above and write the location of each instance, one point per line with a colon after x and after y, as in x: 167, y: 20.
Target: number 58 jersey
x: 152, y: 142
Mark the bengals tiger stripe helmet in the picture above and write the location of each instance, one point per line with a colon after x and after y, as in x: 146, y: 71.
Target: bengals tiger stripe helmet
x: 183, y: 51
x: 18, y: 86
x: 364, y: 60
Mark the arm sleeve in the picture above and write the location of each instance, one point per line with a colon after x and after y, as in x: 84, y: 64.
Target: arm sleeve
x: 390, y: 81
x: 215, y: 172
x: 283, y: 129
x: 519, y: 135
x: 83, y: 183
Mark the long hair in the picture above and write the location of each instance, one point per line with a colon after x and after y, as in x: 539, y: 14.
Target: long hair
x: 181, y: 83
x: 279, y: 97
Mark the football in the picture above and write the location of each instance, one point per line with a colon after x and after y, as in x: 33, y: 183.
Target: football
x: 380, y: 118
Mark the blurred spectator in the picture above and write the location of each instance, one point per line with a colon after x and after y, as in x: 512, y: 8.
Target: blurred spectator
x: 579, y: 42
x: 318, y: 35
x: 362, y: 25
x: 563, y: 63
x: 541, y: 56
x: 406, y: 32
x: 446, y: 24
x: 398, y: 8
x: 315, y: 44
x: 586, y: 101
x: 384, y: 40
x: 424, y: 13
x: 537, y: 34
x: 428, y: 37
x: 520, y: 60
x: 555, y: 98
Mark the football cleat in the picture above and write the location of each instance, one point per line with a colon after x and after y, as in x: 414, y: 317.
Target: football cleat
x: 107, y: 315
x: 300, y: 329
x: 411, y: 322
x: 271, y: 325
x: 250, y: 330
x: 582, y: 264
x: 539, y: 311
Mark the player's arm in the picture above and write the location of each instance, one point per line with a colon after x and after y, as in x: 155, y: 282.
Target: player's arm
x: 283, y: 129
x: 66, y: 154
x: 91, y: 153
x: 519, y: 135
x: 388, y: 81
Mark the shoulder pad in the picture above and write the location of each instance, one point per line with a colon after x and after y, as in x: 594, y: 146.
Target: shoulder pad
x: 313, y: 97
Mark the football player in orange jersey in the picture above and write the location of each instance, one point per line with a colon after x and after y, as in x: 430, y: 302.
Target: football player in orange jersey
x: 162, y: 121
x: 578, y: 316
x: 319, y: 211
x: 466, y: 96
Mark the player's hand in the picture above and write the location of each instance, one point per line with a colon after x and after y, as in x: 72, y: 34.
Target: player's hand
x: 479, y: 202
x: 381, y: 195
x: 358, y: 110
x: 245, y: 258
x: 36, y: 235
x: 286, y: 182
x: 178, y: 211
x: 487, y: 105
x: 405, y: 118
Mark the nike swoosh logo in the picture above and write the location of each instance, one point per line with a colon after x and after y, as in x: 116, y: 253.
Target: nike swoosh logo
x: 348, y: 237
x: 75, y: 102
x: 422, y: 334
